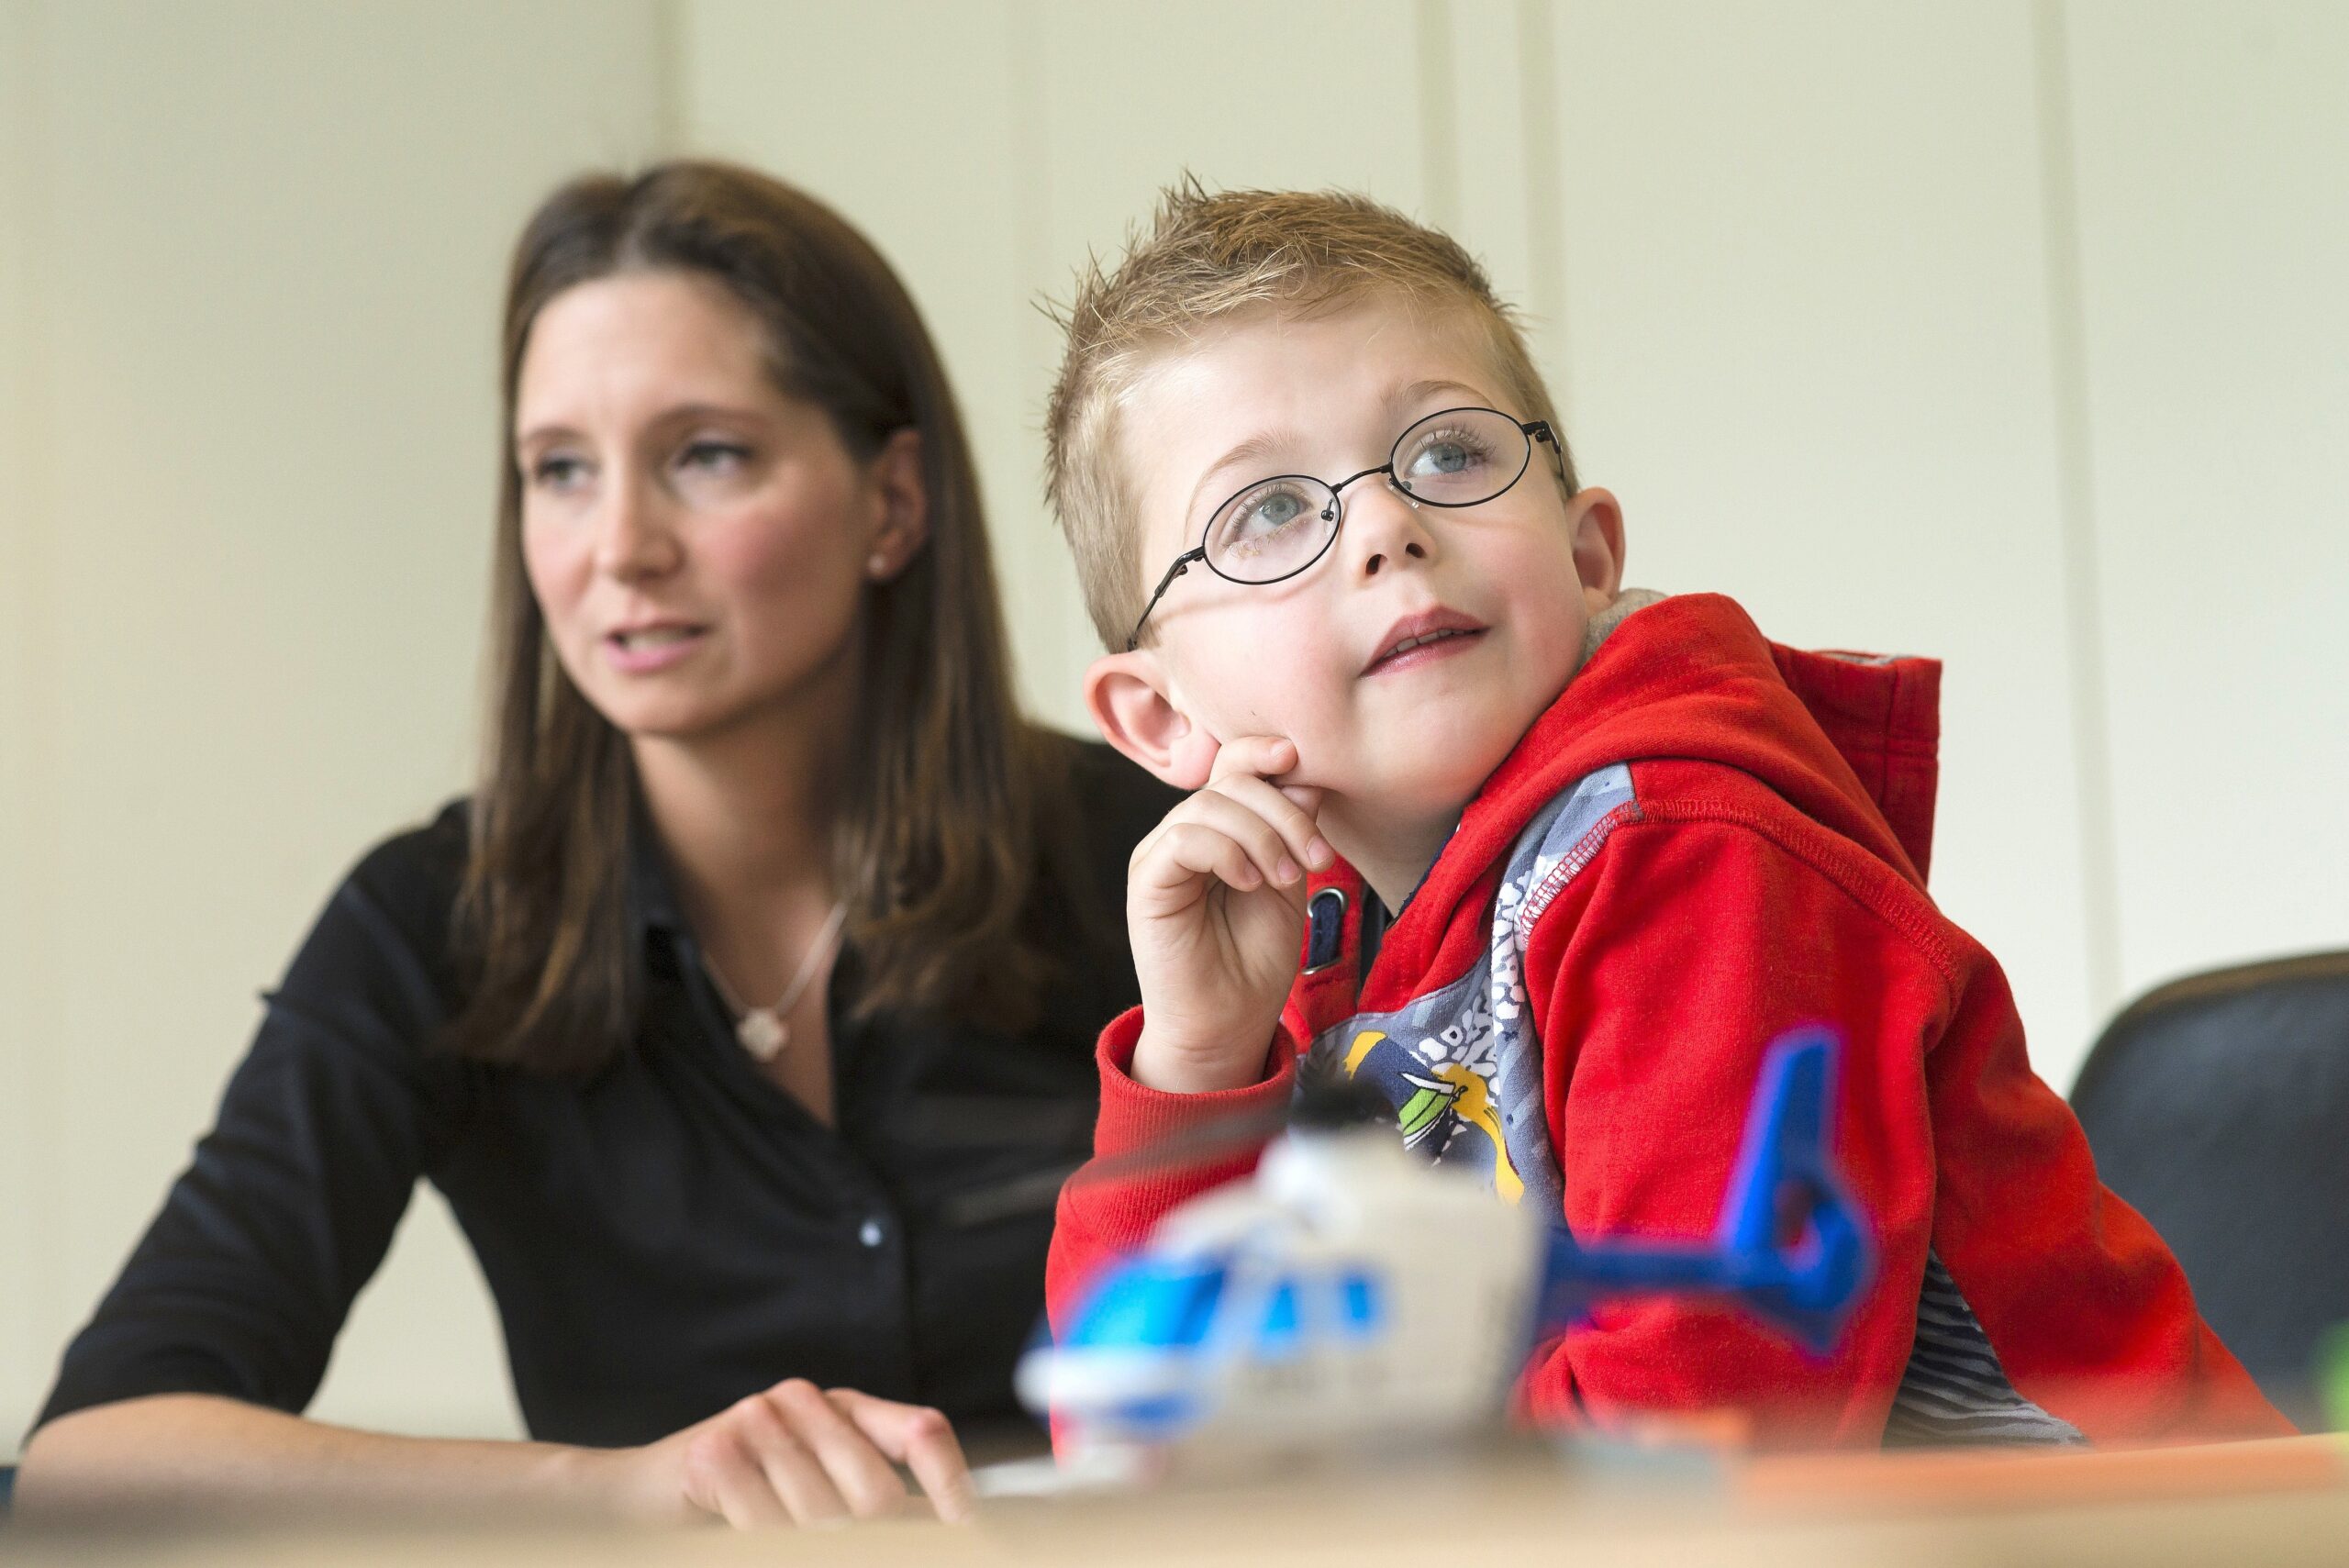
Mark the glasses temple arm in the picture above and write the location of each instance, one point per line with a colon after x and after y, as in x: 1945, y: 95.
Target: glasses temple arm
x: 1182, y: 564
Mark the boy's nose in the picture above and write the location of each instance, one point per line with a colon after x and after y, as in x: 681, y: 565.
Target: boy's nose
x: 1387, y: 527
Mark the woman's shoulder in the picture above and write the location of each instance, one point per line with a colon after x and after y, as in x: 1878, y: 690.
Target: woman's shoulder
x: 392, y: 917
x: 1107, y: 784
x: 1114, y: 800
x: 415, y: 873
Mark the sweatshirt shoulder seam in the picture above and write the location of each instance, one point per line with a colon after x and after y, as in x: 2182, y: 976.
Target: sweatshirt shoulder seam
x: 1851, y: 871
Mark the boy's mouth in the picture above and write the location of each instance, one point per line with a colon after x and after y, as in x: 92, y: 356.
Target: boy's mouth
x: 1438, y: 632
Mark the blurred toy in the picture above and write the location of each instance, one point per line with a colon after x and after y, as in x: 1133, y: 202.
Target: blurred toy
x: 1352, y: 1291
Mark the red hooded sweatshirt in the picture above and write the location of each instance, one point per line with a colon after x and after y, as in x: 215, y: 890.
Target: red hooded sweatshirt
x: 1705, y: 840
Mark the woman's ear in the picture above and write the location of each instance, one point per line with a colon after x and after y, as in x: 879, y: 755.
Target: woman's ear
x: 1129, y: 696
x: 1596, y: 520
x: 902, y: 527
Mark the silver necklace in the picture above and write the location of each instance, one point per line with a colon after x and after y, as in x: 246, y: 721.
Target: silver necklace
x: 762, y: 1030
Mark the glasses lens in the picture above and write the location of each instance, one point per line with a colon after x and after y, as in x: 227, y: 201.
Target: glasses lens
x: 1272, y: 530
x: 1461, y: 456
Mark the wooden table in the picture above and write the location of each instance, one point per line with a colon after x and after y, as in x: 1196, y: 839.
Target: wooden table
x: 2284, y: 1502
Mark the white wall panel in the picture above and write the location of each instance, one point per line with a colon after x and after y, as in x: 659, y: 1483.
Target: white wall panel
x: 27, y: 1210
x: 1806, y: 341
x: 278, y: 234
x: 2214, y: 233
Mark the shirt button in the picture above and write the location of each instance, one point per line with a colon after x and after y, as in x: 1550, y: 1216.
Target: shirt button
x: 869, y: 1233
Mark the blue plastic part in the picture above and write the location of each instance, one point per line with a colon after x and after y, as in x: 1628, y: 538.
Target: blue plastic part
x: 1280, y: 1334
x: 1362, y: 1306
x: 1785, y: 1180
x: 1149, y: 1301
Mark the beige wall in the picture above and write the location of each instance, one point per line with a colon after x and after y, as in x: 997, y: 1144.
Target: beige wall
x: 2007, y: 332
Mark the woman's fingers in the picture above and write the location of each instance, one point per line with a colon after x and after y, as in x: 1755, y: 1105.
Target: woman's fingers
x: 723, y: 1477
x: 859, y: 1474
x: 770, y: 1430
x: 922, y: 1440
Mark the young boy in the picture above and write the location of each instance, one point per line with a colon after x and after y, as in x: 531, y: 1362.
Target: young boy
x: 1326, y: 522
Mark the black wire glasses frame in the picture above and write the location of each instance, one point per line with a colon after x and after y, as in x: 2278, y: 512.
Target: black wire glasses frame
x: 1462, y: 491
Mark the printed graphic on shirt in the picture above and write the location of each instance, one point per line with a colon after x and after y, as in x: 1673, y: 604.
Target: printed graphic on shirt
x: 1461, y: 1065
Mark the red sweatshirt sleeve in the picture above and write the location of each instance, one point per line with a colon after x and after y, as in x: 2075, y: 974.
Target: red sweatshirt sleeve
x: 1099, y: 1218
x: 1658, y: 979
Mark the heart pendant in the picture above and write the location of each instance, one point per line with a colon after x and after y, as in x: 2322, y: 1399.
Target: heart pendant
x: 763, y: 1034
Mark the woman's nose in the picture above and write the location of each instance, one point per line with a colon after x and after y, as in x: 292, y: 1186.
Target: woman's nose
x: 634, y: 539
x: 1384, y: 527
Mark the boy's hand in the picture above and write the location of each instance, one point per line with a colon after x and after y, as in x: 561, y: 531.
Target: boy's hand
x: 1215, y: 903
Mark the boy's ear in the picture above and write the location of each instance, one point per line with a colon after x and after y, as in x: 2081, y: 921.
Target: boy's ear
x: 1127, y: 695
x: 1595, y: 518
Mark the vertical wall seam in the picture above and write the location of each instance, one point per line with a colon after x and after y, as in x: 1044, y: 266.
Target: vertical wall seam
x: 671, y: 117
x: 1031, y: 178
x: 37, y: 1049
x: 1537, y: 82
x: 2075, y: 490
x: 1440, y: 196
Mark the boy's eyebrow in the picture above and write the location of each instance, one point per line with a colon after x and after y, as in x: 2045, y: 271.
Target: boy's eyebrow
x: 1411, y: 392
x: 1266, y: 442
x: 1260, y: 445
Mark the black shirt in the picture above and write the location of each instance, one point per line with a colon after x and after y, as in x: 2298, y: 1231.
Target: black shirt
x: 662, y: 1238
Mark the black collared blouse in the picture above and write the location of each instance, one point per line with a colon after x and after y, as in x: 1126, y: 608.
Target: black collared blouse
x: 662, y: 1238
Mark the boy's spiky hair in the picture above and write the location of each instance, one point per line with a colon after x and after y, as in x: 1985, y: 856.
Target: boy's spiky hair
x: 1211, y: 255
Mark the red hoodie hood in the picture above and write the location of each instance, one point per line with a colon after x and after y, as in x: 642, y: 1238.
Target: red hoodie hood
x: 1850, y: 740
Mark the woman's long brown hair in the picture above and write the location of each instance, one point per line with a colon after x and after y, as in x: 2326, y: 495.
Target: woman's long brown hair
x: 939, y: 838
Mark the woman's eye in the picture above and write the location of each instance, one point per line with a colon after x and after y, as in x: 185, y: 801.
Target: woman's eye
x: 557, y: 472
x: 714, y: 457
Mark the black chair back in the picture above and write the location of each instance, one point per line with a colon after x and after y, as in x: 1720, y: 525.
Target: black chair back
x: 2218, y: 1105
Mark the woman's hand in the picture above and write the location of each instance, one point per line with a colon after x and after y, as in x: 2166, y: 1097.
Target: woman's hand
x: 799, y: 1454
x: 1215, y: 904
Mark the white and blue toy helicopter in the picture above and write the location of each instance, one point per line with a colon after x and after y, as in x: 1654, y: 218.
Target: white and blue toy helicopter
x: 1351, y: 1288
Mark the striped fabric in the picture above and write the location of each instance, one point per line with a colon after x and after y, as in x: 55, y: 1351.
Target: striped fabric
x: 1954, y: 1392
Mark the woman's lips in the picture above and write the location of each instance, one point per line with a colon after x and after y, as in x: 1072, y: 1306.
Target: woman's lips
x: 648, y: 649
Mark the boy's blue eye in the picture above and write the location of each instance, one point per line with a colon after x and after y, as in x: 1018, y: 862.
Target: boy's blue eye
x: 1443, y: 457
x: 1259, y: 520
x: 1275, y: 511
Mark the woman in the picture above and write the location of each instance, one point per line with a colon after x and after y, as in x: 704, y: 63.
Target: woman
x: 770, y: 929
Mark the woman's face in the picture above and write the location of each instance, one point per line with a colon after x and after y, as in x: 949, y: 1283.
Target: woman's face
x: 698, y: 541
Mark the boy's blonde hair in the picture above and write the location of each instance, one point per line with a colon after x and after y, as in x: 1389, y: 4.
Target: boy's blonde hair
x: 1209, y: 256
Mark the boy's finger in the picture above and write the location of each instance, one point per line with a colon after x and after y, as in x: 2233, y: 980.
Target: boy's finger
x: 1295, y: 826
x: 1192, y: 849
x: 1256, y: 755
x: 1246, y: 824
